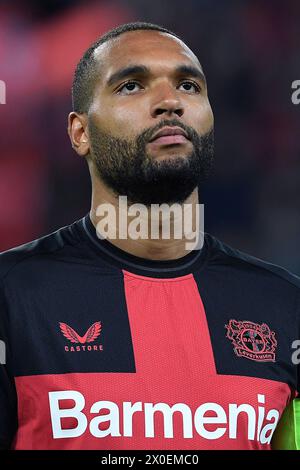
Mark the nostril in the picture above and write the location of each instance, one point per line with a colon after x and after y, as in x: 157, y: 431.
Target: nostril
x: 161, y: 111
x: 178, y: 112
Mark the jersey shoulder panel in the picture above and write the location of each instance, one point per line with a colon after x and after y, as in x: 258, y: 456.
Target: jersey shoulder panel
x: 221, y: 252
x: 48, y: 244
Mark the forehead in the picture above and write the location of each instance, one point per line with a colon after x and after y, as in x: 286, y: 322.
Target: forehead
x: 151, y: 48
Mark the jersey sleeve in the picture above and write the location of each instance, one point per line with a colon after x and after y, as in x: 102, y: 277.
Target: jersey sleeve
x: 8, y: 399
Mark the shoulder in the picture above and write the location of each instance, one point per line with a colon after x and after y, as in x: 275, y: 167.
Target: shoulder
x: 245, y: 264
x: 35, y: 252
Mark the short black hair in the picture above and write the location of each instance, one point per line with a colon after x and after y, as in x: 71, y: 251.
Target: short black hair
x: 85, y: 73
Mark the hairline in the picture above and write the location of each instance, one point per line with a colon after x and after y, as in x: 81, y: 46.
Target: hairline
x: 83, y: 103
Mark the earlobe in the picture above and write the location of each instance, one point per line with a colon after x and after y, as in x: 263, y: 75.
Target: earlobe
x: 77, y: 132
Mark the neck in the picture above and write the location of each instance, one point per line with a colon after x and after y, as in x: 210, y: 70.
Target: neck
x: 145, y: 233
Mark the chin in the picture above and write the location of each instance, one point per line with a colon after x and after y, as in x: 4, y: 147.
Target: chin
x: 170, y: 156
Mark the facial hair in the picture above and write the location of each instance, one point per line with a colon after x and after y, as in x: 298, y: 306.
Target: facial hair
x: 128, y: 170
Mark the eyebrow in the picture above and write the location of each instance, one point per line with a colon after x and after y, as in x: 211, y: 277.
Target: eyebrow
x: 135, y: 69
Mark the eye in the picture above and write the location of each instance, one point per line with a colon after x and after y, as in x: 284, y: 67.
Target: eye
x: 128, y: 87
x: 188, y: 84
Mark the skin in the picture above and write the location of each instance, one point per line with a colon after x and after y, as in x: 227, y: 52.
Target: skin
x: 128, y: 111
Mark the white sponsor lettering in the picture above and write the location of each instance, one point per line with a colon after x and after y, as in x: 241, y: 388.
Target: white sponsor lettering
x: 259, y: 426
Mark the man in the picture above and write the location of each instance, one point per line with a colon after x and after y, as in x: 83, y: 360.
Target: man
x: 140, y: 342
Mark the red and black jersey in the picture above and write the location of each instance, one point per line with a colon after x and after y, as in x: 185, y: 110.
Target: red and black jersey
x: 106, y: 350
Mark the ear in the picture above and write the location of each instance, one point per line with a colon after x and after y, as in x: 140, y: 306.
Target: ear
x: 77, y: 130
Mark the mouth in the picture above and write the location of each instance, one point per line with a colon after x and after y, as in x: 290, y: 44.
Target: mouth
x: 170, y: 140
x: 169, y: 136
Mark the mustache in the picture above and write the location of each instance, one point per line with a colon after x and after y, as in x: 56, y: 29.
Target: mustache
x: 148, y: 133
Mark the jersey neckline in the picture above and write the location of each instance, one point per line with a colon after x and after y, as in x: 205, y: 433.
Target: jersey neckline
x: 120, y: 258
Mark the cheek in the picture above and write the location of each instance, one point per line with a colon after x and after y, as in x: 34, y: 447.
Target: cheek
x: 123, y: 121
x: 204, y: 118
x: 130, y: 118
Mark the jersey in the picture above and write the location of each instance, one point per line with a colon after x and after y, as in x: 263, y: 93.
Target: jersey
x: 107, y: 350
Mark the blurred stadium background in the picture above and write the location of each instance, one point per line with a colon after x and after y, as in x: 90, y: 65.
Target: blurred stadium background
x: 250, y: 53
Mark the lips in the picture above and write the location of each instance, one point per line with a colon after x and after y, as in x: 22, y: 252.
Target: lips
x: 175, y: 134
x: 169, y: 140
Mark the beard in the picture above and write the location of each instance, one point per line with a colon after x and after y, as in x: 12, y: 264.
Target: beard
x: 128, y: 170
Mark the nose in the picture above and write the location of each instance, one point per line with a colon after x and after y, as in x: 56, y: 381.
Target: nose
x: 167, y: 102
